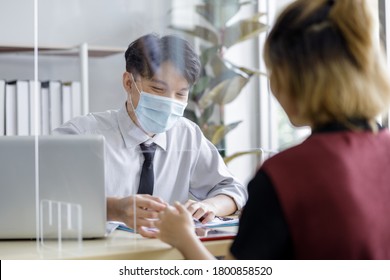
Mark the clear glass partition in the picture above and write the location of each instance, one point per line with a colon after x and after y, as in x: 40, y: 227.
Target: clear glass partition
x: 65, y: 59
x: 81, y: 61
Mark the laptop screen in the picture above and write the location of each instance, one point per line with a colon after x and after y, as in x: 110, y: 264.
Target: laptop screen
x: 70, y: 172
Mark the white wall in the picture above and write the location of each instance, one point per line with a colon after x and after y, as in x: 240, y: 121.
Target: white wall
x: 71, y: 22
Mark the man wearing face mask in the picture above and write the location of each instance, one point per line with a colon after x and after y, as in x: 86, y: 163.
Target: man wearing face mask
x: 183, y: 163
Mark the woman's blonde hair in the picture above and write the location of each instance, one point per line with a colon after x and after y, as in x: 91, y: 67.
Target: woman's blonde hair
x: 326, y: 55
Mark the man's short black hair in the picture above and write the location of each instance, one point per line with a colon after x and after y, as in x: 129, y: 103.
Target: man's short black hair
x: 145, y: 55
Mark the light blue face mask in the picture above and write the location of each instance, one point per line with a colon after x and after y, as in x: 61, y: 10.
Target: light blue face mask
x: 157, y: 114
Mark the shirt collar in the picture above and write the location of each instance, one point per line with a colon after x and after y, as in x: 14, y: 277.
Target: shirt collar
x: 338, y: 127
x: 133, y: 136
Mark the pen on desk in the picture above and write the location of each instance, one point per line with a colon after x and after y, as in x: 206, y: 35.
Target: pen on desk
x: 224, y: 218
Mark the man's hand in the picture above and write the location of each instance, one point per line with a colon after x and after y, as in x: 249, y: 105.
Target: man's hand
x: 143, y: 207
x: 206, y: 210
x: 201, y: 210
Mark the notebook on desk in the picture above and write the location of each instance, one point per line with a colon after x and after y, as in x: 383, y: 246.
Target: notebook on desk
x: 71, y: 171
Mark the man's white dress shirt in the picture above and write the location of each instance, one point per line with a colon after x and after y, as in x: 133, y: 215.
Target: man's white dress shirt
x: 185, y: 162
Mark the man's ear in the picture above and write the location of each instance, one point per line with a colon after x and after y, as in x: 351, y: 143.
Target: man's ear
x: 127, y: 82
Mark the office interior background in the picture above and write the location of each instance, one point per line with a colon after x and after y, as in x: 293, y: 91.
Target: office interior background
x: 85, y: 40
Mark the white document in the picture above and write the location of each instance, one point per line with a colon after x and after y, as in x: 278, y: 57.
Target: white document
x: 35, y: 107
x: 45, y: 120
x: 66, y: 102
x: 22, y: 108
x: 218, y: 222
x: 10, y: 108
x: 2, y: 107
x: 55, y: 106
x: 76, y: 99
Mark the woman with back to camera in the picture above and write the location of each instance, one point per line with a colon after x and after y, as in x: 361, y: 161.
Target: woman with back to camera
x: 328, y: 197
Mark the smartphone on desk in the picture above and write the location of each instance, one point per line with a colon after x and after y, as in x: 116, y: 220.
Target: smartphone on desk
x: 209, y: 234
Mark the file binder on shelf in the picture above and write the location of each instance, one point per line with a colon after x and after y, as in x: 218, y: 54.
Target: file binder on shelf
x: 35, y: 107
x: 15, y: 105
x: 10, y: 108
x: 55, y: 107
x: 22, y: 108
x: 2, y: 107
x: 45, y: 120
x: 66, y: 101
x: 76, y: 99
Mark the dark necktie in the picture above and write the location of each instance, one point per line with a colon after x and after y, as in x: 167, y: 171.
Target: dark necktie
x: 147, y: 176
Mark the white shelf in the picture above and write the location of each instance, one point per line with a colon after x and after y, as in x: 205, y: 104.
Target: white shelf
x: 93, y: 51
x: 83, y: 51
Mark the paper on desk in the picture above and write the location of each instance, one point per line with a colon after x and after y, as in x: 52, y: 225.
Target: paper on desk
x: 113, y: 225
x: 218, y: 222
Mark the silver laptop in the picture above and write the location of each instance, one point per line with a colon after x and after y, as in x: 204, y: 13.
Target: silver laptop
x: 71, y: 185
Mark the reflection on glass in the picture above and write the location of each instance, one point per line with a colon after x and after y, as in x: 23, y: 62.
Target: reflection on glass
x: 81, y: 67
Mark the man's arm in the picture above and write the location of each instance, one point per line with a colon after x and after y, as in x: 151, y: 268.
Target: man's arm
x: 224, y: 204
x: 213, y: 183
x: 206, y: 210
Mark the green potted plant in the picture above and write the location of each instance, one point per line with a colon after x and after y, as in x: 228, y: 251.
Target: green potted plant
x: 221, y: 81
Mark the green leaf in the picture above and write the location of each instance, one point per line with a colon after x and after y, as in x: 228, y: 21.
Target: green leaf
x: 237, y: 69
x: 252, y: 72
x: 209, y: 53
x: 218, y: 12
x: 217, y: 66
x: 220, y: 65
x: 189, y: 114
x: 209, y: 129
x: 221, y: 131
x: 230, y: 90
x: 193, y: 109
x: 200, y: 32
x: 207, y: 113
x: 243, y: 30
x: 215, y: 12
x: 243, y: 70
x: 238, y: 154
x: 200, y: 87
x: 225, y: 91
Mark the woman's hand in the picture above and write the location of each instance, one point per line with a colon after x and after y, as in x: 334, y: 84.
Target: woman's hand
x: 175, y: 226
x: 139, y: 211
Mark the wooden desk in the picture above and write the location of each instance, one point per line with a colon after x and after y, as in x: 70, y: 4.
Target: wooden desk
x: 118, y: 245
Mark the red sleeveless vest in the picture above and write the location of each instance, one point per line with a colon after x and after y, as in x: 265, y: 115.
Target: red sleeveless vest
x: 334, y: 190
